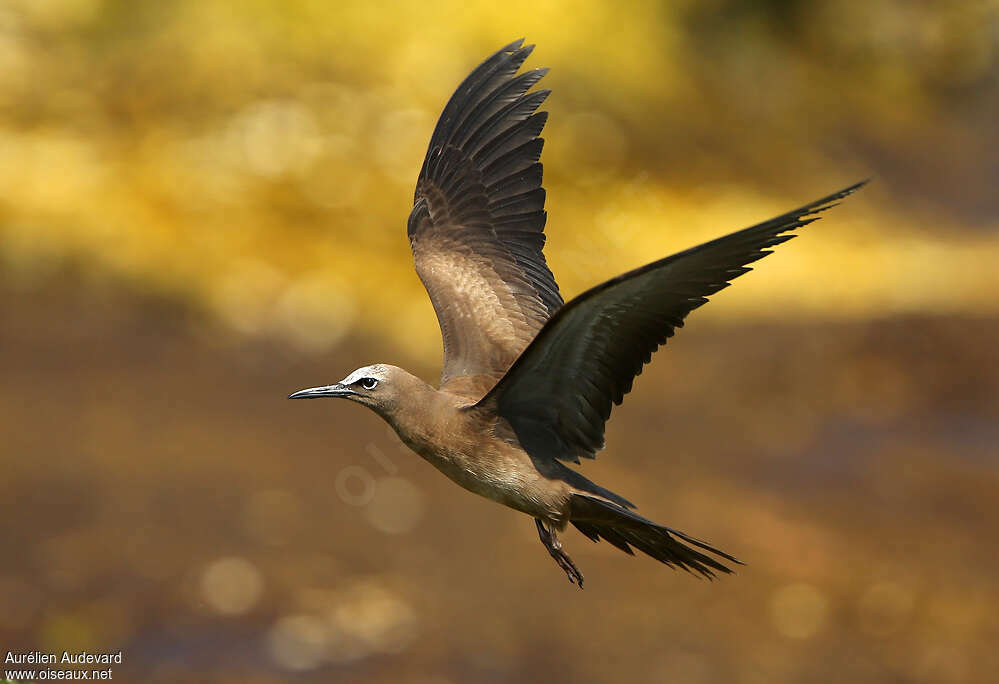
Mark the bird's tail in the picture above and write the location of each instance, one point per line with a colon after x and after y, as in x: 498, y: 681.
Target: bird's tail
x: 599, y: 519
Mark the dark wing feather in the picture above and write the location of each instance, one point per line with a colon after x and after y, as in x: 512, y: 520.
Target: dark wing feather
x: 559, y: 392
x: 477, y: 225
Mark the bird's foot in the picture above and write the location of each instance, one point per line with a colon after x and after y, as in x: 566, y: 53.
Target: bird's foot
x: 554, y: 546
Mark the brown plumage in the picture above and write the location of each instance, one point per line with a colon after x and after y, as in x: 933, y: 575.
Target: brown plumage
x: 528, y: 382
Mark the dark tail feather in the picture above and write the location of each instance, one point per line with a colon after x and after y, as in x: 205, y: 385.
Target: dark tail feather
x: 599, y: 519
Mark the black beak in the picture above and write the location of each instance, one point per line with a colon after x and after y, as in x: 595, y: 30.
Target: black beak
x: 336, y: 390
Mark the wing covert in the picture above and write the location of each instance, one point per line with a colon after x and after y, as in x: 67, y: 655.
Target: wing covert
x: 477, y: 225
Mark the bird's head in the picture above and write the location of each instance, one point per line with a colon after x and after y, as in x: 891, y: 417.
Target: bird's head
x: 380, y: 387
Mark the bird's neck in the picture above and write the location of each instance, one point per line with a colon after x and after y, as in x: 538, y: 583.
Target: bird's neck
x: 425, y: 417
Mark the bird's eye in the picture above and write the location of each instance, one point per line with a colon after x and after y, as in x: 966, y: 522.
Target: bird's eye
x: 368, y: 383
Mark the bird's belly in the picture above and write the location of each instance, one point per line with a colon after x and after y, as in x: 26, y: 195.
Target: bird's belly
x: 503, y: 480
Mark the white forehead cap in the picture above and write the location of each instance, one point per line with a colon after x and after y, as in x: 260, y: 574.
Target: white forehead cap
x: 376, y: 371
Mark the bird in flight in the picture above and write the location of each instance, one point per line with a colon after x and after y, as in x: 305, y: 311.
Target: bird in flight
x: 529, y: 380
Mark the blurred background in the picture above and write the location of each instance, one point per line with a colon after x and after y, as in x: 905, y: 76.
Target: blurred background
x: 203, y: 209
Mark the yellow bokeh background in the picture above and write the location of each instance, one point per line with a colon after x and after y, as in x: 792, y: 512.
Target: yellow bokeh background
x: 258, y: 160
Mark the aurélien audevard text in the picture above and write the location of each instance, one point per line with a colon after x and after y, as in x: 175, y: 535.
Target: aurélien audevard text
x: 67, y: 657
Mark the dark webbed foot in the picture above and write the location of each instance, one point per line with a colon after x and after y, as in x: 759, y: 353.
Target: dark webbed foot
x: 551, y: 542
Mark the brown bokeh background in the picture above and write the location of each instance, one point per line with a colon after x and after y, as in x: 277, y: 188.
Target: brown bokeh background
x: 203, y: 208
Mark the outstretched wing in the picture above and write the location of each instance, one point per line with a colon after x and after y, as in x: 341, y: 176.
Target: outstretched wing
x: 477, y: 225
x: 558, y: 394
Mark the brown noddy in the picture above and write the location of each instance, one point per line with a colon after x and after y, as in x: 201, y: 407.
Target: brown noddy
x: 528, y: 380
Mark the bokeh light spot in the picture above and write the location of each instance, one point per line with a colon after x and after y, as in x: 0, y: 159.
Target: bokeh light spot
x: 231, y: 586
x: 297, y: 642
x: 315, y: 312
x: 278, y: 137
x: 397, y: 506
x: 798, y: 610
x: 381, y: 619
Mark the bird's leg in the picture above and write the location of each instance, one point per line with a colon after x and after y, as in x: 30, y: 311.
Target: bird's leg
x: 551, y: 542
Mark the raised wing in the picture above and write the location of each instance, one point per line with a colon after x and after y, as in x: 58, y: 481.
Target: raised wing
x: 558, y: 394
x: 477, y: 225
